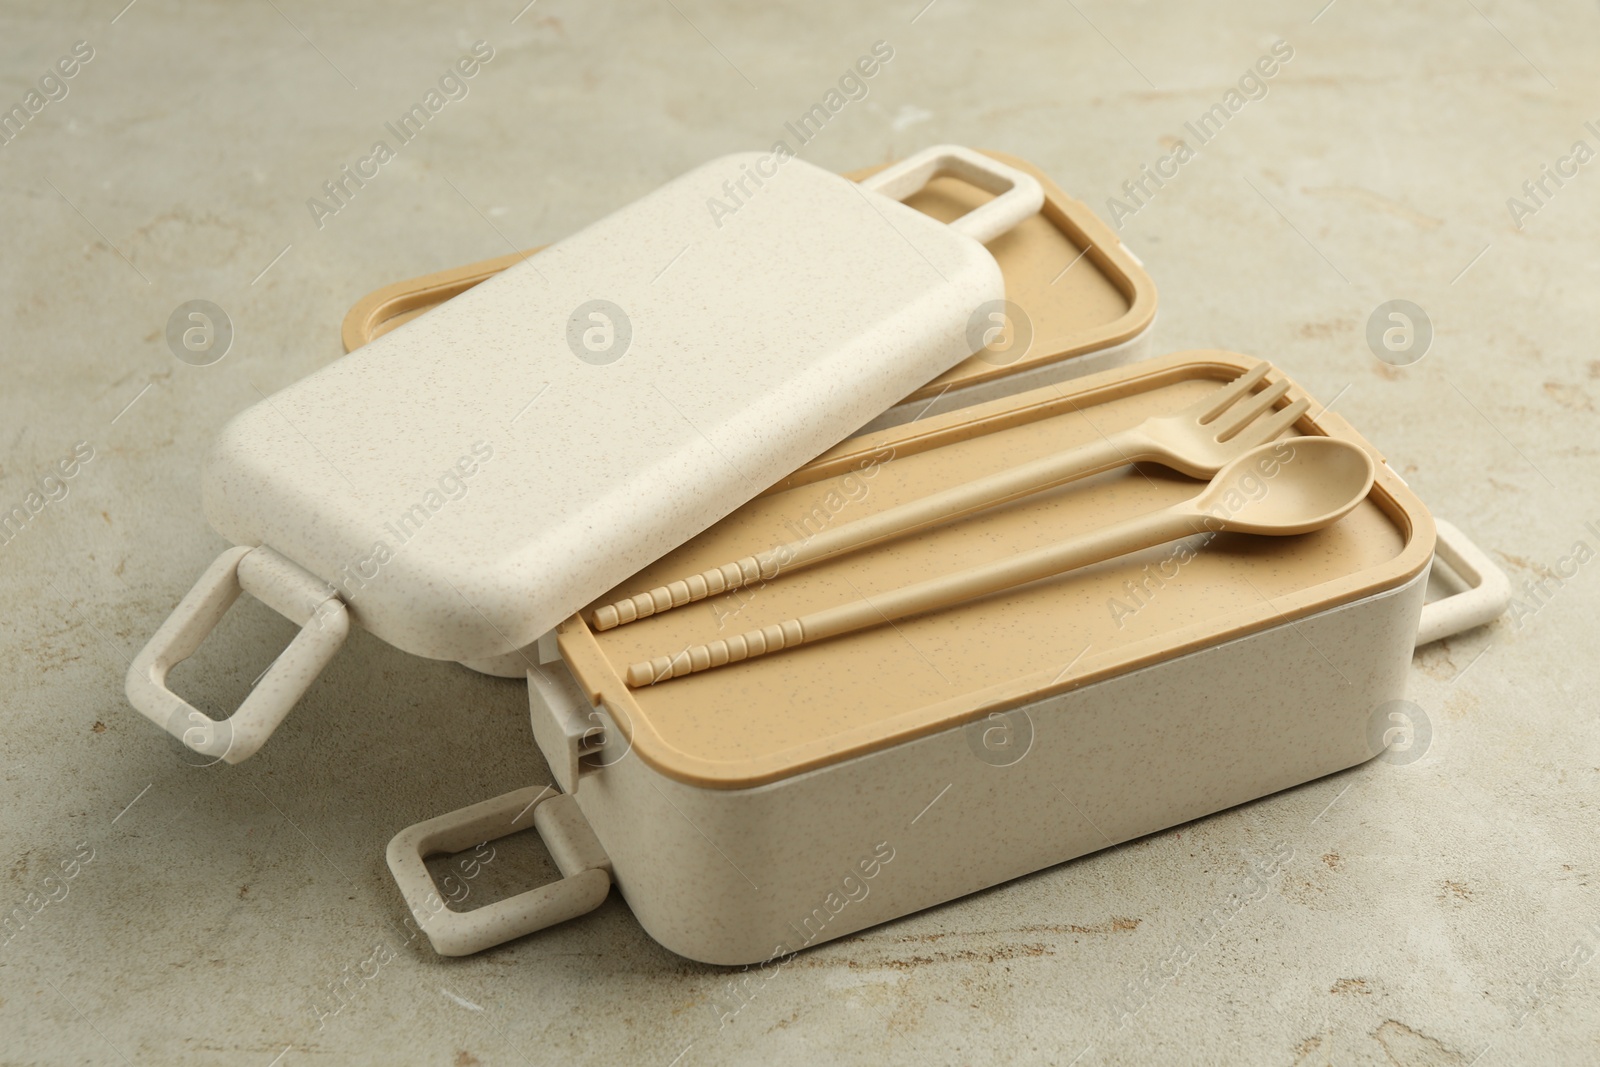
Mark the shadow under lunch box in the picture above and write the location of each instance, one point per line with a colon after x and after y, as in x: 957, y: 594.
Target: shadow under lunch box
x: 773, y: 804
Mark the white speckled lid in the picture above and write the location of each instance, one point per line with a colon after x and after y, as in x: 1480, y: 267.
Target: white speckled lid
x: 472, y: 478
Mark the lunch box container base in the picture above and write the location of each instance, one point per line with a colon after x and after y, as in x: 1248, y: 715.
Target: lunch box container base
x: 737, y: 875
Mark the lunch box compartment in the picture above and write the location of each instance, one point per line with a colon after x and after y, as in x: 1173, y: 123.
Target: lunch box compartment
x: 732, y: 806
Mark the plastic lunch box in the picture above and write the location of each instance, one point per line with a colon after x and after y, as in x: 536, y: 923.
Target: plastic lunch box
x: 774, y: 804
x: 774, y: 839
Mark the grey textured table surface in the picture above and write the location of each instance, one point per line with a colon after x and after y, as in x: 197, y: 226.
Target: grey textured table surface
x: 1440, y: 911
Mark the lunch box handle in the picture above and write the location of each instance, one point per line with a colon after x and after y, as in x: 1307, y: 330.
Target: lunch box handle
x: 1018, y: 195
x: 1485, y: 598
x: 584, y: 865
x: 284, y: 587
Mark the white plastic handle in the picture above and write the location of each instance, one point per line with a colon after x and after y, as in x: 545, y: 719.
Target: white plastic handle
x: 1487, y: 594
x: 584, y: 865
x: 282, y: 586
x: 1018, y: 196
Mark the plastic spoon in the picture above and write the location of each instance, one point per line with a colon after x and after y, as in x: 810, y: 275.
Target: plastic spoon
x: 1287, y: 487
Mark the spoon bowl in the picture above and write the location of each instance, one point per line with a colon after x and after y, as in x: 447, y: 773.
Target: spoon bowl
x: 1287, y: 487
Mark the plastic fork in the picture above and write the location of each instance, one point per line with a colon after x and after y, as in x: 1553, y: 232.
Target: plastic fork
x: 1197, y: 441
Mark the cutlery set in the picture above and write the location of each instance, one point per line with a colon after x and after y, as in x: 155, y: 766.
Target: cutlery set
x: 1219, y: 438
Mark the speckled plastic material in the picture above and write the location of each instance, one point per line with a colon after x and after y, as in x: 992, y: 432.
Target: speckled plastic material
x: 844, y: 784
x: 742, y: 875
x: 769, y: 718
x: 470, y: 479
x: 1086, y: 303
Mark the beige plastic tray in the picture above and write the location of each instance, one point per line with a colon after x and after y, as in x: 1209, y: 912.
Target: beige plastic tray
x: 1088, y: 300
x: 779, y: 715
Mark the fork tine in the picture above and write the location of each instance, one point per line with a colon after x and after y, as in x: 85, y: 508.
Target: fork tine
x: 1242, y: 413
x: 1217, y: 402
x: 1261, y: 432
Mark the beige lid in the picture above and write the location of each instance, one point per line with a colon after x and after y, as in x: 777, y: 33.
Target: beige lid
x: 768, y: 718
x: 1081, y: 289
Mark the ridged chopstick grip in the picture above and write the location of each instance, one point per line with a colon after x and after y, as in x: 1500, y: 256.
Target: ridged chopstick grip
x: 695, y: 658
x: 686, y: 591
